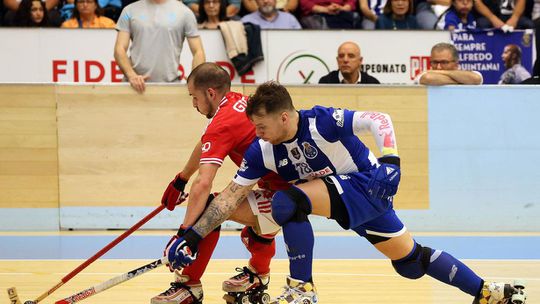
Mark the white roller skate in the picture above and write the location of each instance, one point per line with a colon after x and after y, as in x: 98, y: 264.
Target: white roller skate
x: 501, y: 293
x: 247, y: 287
x: 297, y: 292
x: 180, y: 292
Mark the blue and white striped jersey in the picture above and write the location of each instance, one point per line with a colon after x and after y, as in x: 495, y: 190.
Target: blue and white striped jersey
x: 325, y: 144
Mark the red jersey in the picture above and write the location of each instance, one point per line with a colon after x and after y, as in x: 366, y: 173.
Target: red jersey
x: 230, y: 133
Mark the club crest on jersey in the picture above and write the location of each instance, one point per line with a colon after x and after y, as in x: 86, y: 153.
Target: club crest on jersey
x: 295, y: 153
x: 339, y: 116
x: 310, y: 151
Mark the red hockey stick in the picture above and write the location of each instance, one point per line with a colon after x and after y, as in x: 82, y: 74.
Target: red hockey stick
x: 13, y: 293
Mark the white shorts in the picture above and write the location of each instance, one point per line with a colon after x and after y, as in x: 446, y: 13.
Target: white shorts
x: 260, y: 201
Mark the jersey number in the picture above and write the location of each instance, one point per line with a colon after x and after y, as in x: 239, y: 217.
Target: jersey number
x: 240, y: 105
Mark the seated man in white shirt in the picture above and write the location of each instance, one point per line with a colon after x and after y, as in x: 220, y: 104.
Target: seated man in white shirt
x: 445, y: 68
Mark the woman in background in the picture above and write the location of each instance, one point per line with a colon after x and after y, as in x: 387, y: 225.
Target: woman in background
x: 397, y: 15
x: 88, y: 14
x: 211, y: 13
x: 31, y: 13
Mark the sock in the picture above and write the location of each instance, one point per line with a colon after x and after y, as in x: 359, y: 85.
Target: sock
x: 447, y: 269
x: 262, y: 249
x: 299, y: 240
x: 206, y: 248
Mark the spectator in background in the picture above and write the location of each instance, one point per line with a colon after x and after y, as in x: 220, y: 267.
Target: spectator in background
x: 211, y: 13
x: 232, y: 7
x: 429, y: 11
x: 458, y: 17
x: 445, y: 68
x: 506, y: 15
x: 53, y: 15
x: 269, y: 17
x: 397, y: 15
x: 535, y: 14
x: 349, y: 60
x: 329, y: 14
x: 88, y: 14
x: 515, y: 73
x: 288, y: 6
x: 371, y: 10
x: 31, y: 13
x: 157, y: 29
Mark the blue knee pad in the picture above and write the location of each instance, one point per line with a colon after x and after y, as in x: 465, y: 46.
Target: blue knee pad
x: 290, y: 205
x: 415, y: 265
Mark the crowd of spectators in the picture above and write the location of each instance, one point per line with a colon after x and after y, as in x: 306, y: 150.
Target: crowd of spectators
x: 292, y: 14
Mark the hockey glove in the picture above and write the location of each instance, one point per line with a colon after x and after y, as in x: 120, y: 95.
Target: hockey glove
x: 385, y: 179
x: 183, y: 250
x: 174, y: 194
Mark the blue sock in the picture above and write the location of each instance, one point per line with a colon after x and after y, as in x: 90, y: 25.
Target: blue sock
x: 299, y: 239
x: 447, y: 269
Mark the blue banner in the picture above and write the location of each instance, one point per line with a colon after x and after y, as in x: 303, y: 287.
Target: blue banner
x: 482, y: 50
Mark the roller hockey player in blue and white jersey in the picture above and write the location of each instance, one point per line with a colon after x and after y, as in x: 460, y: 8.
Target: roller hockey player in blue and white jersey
x: 335, y: 176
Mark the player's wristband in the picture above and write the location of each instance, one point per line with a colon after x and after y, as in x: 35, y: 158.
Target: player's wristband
x: 390, y: 159
x: 192, y: 237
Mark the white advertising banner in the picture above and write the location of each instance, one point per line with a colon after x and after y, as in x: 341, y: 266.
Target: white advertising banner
x: 291, y: 57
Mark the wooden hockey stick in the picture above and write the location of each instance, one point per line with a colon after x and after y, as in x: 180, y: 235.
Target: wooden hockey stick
x: 13, y: 294
x: 112, y: 282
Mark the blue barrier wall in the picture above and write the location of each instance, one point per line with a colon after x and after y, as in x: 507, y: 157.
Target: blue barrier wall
x: 484, y: 149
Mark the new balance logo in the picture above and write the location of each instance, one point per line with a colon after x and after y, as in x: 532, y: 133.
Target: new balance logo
x: 283, y: 163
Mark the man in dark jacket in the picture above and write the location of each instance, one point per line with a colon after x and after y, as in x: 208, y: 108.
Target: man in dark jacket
x: 349, y: 60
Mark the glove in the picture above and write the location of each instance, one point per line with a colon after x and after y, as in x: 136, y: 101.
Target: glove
x: 174, y: 194
x: 178, y: 234
x: 182, y: 251
x: 384, y: 183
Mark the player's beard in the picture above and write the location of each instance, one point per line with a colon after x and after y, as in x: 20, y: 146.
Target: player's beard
x: 211, y: 110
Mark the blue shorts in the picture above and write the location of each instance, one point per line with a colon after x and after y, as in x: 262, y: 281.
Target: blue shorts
x: 381, y: 228
x: 365, y: 215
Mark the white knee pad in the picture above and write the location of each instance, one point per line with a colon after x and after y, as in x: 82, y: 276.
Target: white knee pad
x: 260, y: 201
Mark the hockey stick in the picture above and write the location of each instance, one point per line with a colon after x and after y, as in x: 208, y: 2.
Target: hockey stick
x: 13, y: 293
x: 112, y: 282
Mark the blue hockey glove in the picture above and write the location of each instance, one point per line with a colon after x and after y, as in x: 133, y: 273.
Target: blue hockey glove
x: 182, y: 252
x: 385, y: 180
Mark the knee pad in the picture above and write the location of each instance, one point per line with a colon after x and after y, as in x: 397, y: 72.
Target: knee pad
x: 290, y: 205
x: 415, y: 265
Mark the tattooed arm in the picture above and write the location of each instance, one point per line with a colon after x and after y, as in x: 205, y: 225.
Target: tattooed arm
x: 221, y: 208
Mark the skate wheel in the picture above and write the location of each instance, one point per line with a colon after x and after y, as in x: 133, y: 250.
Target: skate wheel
x: 518, y: 298
x: 520, y: 284
x: 265, y: 298
x: 244, y: 299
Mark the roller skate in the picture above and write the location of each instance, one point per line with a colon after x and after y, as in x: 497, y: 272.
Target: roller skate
x: 501, y: 293
x: 247, y: 287
x: 180, y: 292
x: 297, y: 292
